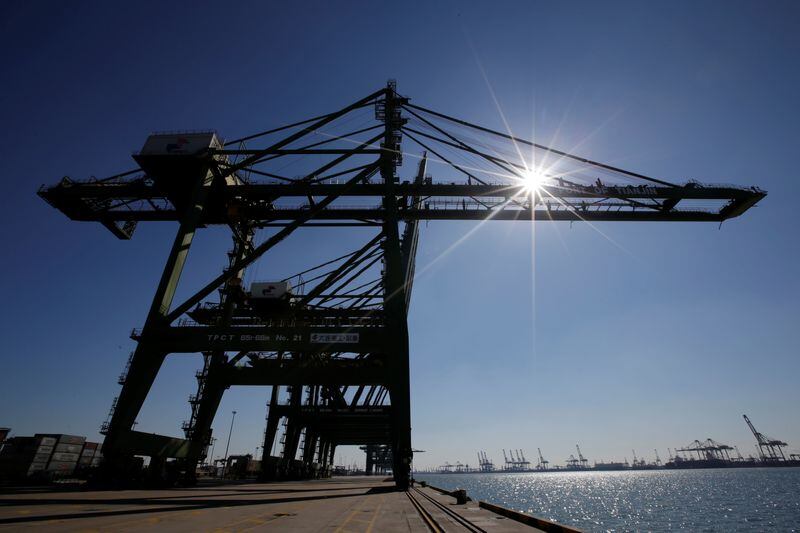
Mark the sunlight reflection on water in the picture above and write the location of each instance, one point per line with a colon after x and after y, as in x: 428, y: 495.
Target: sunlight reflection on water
x: 752, y: 499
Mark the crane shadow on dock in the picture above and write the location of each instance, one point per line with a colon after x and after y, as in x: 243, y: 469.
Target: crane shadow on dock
x: 49, y: 506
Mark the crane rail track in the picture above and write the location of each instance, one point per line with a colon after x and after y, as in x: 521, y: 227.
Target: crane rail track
x: 426, y: 515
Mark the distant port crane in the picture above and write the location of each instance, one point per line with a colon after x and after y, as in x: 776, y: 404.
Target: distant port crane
x: 572, y: 463
x: 771, y: 450
x: 708, y: 450
x: 515, y: 461
x: 484, y: 464
x: 584, y: 462
x: 542, y: 465
x: 522, y: 463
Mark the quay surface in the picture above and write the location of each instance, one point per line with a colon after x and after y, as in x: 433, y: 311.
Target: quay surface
x: 348, y: 504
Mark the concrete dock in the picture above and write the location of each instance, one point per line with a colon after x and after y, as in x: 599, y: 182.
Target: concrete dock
x: 358, y: 504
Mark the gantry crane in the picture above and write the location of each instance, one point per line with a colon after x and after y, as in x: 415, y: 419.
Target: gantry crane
x: 542, y: 462
x: 709, y: 451
x: 584, y: 462
x: 522, y: 463
x: 484, y: 464
x: 771, y: 450
x: 525, y: 462
x: 334, y: 346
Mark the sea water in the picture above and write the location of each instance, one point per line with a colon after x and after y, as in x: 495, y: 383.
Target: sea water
x: 742, y: 499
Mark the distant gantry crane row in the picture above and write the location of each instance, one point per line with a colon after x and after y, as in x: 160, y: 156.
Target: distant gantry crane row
x: 698, y: 454
x: 330, y: 338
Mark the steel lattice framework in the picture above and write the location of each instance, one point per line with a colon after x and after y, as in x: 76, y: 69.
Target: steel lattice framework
x: 337, y: 356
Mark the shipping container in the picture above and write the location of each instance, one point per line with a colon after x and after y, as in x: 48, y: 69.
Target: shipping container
x: 52, y: 439
x: 68, y: 448
x: 71, y: 439
x: 36, y: 467
x: 20, y: 443
x: 41, y: 457
x: 90, y: 445
x: 45, y: 440
x: 61, y: 467
x: 59, y: 457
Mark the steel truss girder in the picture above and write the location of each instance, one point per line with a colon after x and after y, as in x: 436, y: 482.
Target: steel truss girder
x: 262, y: 248
x: 248, y: 202
x: 372, y: 425
x: 308, y: 372
x: 192, y: 339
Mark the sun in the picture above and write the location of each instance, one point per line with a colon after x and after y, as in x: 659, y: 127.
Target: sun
x: 532, y: 179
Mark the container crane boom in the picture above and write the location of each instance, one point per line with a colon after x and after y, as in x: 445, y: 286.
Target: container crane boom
x: 773, y: 447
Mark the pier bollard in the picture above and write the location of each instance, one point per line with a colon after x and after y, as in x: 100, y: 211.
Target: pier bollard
x: 460, y: 495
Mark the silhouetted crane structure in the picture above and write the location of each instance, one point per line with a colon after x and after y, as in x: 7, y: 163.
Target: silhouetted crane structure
x: 521, y: 462
x: 330, y: 338
x: 515, y: 461
x: 708, y: 450
x: 771, y: 450
x: 446, y: 468
x: 542, y: 465
x: 379, y: 458
x: 484, y: 464
x: 583, y: 461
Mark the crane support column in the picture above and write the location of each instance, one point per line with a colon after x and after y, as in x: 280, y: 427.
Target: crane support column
x: 148, y: 357
x: 395, y: 294
x: 210, y: 385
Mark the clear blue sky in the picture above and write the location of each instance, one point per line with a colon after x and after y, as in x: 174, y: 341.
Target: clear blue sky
x: 667, y: 334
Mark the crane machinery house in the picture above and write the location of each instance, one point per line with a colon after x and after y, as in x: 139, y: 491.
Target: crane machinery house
x: 270, y: 295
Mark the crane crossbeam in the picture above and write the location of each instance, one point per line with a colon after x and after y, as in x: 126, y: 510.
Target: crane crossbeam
x: 104, y: 202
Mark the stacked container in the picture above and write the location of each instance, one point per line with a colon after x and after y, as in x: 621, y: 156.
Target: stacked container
x: 24, y: 456
x: 45, y: 446
x: 90, y: 456
x: 89, y: 449
x: 47, y: 455
x: 66, y: 454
